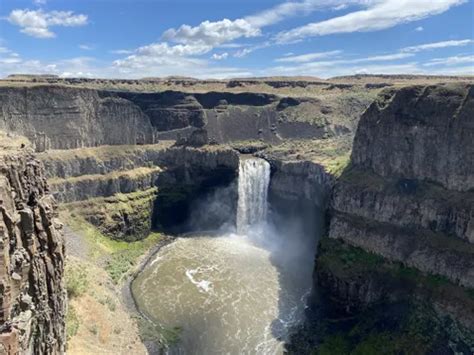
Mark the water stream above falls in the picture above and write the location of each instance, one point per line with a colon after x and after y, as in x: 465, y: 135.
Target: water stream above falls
x: 235, y: 293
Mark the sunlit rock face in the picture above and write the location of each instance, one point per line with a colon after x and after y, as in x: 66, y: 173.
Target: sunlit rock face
x: 32, y: 297
x: 422, y: 133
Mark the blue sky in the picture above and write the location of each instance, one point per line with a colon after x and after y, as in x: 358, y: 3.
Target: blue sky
x: 236, y: 38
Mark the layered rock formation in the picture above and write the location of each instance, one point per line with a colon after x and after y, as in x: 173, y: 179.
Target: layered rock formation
x: 66, y: 117
x: 126, y: 190
x: 407, y: 194
x: 32, y: 296
x: 397, y: 272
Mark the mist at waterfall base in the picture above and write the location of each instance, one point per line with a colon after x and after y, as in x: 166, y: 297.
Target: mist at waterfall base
x: 238, y: 290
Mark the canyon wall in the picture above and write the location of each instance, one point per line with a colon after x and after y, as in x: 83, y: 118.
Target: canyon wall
x: 407, y: 193
x: 32, y: 295
x: 396, y: 270
x: 125, y: 191
x: 66, y: 117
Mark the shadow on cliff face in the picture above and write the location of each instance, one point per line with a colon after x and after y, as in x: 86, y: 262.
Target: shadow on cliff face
x: 195, y: 201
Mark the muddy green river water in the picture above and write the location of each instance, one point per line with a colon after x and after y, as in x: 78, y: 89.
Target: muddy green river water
x: 227, y: 294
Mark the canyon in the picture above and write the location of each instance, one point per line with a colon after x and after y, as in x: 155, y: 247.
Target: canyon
x: 372, y: 176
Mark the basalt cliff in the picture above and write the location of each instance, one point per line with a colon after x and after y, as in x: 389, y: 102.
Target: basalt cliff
x: 377, y: 168
x: 33, y: 297
x: 395, y: 272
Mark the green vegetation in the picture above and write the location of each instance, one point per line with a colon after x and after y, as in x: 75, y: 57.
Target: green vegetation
x: 119, y: 256
x: 128, y: 174
x: 332, y: 153
x: 404, y: 328
x: 109, y: 302
x: 404, y: 322
x: 338, y: 165
x: 334, y: 345
x: 76, y: 280
x: 152, y: 332
x: 105, y: 212
x: 347, y: 261
x: 72, y: 322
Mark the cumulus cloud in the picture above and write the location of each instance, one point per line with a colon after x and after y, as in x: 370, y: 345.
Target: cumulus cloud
x: 437, y: 45
x: 37, y: 23
x: 379, y: 15
x: 419, y: 29
x: 212, y: 33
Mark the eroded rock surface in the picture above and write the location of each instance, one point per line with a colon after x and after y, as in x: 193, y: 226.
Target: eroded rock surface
x: 32, y: 297
x: 408, y: 194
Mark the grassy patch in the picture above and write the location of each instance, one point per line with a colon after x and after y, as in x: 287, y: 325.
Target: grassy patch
x: 105, y: 213
x: 163, y: 337
x: 128, y: 174
x: 72, y: 322
x: 76, y: 280
x: 338, y: 165
x: 345, y: 259
x: 100, y: 245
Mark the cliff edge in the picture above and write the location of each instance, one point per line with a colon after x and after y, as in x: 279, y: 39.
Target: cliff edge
x: 32, y: 297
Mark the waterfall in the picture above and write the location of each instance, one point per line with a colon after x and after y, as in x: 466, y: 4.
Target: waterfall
x: 254, y: 178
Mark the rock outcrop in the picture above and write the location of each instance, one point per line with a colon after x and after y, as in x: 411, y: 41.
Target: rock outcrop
x: 420, y: 133
x: 32, y: 295
x: 396, y: 272
x: 408, y: 193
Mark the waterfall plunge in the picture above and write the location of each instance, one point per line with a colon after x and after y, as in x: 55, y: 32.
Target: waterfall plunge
x: 254, y: 178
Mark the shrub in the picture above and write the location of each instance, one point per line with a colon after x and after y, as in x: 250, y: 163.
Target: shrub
x: 76, y: 281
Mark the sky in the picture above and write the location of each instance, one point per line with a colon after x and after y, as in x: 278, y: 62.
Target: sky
x: 236, y: 38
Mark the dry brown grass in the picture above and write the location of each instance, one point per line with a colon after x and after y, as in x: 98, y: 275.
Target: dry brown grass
x: 105, y: 327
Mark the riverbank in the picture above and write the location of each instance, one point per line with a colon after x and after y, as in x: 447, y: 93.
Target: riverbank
x: 100, y: 319
x: 145, y: 324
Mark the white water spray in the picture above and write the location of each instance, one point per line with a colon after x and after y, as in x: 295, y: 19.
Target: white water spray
x: 254, y: 178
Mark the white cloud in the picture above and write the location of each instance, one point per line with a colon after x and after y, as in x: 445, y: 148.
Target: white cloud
x: 379, y: 15
x: 212, y: 33
x: 121, y: 51
x: 455, y: 60
x: 78, y: 67
x: 419, y: 29
x: 437, y: 45
x: 387, y: 57
x: 86, y: 47
x: 243, y: 52
x: 307, y: 57
x: 221, y: 56
x: 293, y: 8
x: 39, y: 2
x: 340, y: 7
x: 36, y: 23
